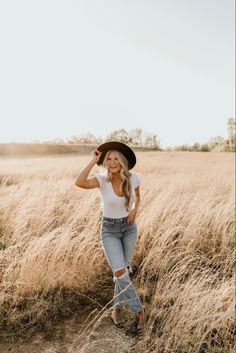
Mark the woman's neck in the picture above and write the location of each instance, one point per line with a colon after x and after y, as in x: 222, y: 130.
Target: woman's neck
x: 116, y: 177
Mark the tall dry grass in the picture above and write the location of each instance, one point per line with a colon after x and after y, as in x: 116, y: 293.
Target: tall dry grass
x: 51, y: 259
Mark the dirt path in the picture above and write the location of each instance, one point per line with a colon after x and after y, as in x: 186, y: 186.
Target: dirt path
x: 76, y: 335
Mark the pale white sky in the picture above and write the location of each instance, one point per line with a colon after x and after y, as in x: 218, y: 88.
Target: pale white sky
x: 69, y: 67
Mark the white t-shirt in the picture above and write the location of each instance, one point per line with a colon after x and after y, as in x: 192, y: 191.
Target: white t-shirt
x: 114, y: 205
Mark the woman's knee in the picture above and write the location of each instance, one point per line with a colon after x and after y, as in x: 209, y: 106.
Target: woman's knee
x: 120, y: 272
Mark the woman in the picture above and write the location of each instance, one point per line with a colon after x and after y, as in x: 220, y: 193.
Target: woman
x: 119, y: 190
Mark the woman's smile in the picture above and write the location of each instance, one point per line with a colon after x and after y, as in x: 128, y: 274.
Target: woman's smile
x: 114, y: 168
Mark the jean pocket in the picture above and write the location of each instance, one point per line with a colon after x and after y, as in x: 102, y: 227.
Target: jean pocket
x: 132, y: 225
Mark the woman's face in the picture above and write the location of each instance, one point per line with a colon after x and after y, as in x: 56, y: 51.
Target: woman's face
x: 113, y: 164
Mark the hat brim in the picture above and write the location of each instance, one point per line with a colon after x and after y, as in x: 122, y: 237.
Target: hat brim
x: 119, y: 146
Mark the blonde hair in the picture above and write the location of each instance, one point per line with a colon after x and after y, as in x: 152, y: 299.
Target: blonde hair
x: 125, y: 186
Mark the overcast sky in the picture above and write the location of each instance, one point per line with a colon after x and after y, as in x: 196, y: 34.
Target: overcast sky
x: 69, y: 67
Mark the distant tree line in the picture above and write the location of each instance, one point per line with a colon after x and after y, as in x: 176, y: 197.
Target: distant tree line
x: 217, y: 144
x: 138, y: 137
x: 134, y: 137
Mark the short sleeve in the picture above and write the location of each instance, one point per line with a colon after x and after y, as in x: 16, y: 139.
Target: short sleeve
x: 100, y: 179
x: 136, y: 180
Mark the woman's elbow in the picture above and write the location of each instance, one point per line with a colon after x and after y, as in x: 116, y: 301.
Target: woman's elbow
x: 78, y: 183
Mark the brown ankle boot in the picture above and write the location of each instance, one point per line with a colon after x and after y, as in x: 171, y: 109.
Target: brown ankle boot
x: 141, y: 321
x: 117, y: 316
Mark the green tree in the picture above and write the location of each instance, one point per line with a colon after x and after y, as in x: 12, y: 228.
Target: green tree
x: 231, y: 133
x: 136, y: 136
x: 120, y: 135
x: 216, y: 143
x: 152, y: 140
x: 195, y: 147
x: 204, y: 147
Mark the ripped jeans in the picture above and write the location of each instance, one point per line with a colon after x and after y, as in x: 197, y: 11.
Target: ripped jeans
x: 118, y: 239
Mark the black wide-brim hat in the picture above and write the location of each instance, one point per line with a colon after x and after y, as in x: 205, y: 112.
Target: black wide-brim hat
x: 119, y: 146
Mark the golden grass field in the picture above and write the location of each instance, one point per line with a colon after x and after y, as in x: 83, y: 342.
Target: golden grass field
x: 52, y: 263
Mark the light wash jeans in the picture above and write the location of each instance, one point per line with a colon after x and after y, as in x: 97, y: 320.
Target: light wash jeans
x: 118, y: 239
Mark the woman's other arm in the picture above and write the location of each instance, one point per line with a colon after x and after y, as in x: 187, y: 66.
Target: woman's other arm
x: 133, y: 212
x: 136, y: 198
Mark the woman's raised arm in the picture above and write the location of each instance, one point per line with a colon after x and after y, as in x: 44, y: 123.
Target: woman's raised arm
x: 82, y: 180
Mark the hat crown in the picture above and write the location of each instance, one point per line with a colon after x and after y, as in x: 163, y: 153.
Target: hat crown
x: 119, y: 146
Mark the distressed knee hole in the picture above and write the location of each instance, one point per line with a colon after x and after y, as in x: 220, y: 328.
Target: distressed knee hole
x: 120, y: 272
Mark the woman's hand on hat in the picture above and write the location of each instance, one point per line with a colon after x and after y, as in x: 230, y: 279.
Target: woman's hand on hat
x: 96, y: 155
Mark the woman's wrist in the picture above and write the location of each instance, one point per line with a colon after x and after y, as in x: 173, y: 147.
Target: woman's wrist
x: 93, y: 162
